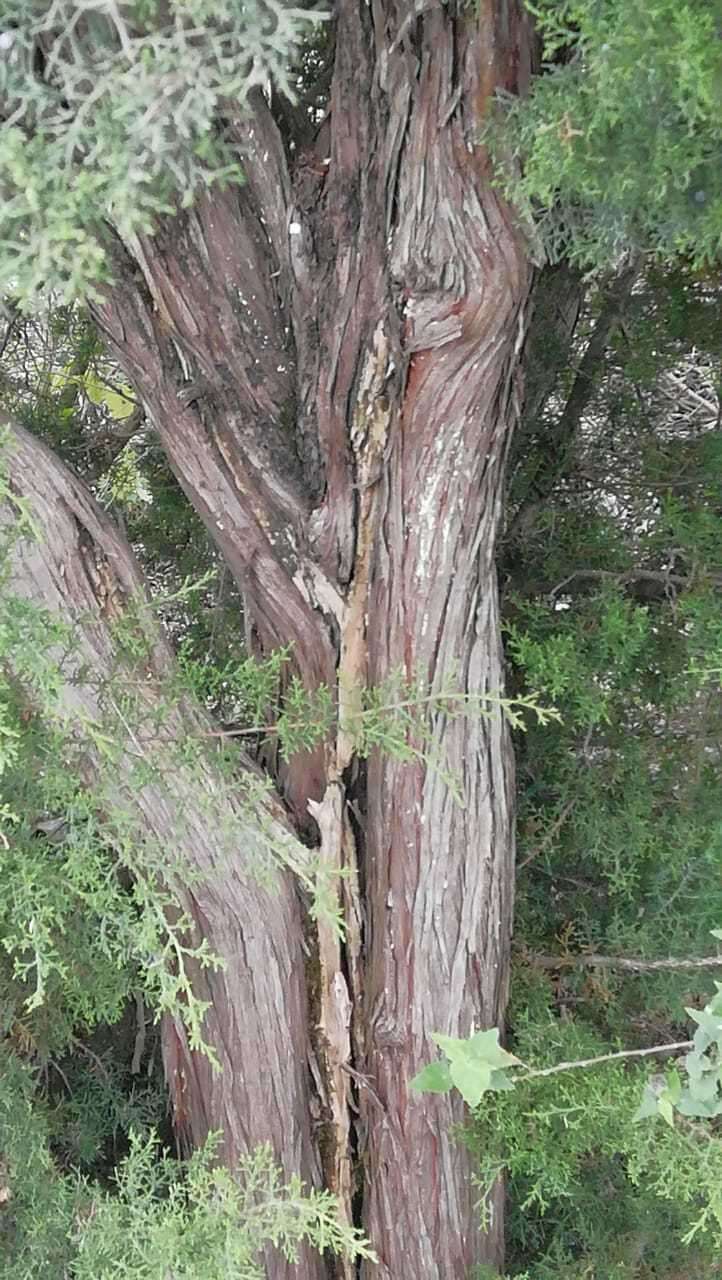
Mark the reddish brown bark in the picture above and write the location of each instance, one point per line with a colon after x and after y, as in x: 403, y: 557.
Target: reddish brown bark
x: 330, y: 357
x: 81, y: 569
x: 440, y: 875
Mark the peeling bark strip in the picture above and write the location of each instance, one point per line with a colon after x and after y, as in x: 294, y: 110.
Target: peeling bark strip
x: 258, y: 1016
x: 335, y: 1014
x: 330, y: 356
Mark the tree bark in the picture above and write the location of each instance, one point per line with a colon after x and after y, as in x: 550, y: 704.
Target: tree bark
x: 330, y: 355
x: 83, y: 571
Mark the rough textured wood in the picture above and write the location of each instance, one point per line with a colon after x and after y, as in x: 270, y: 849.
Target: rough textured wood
x: 257, y: 1022
x: 330, y: 356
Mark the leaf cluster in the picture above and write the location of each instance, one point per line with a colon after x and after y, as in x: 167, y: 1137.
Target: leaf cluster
x: 195, y: 1220
x: 617, y: 144
x: 111, y: 113
x: 612, y: 610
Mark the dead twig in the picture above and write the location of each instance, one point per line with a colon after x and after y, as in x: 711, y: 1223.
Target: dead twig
x: 550, y: 836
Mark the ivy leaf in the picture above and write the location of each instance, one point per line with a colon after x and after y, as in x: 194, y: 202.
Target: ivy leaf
x: 649, y: 1106
x: 704, y: 1089
x: 471, y: 1078
x: 484, y: 1047
x: 435, y: 1077
x: 692, y: 1105
x: 451, y: 1046
x: 666, y: 1110
x: 500, y: 1082
x: 696, y: 1065
x: 710, y: 1021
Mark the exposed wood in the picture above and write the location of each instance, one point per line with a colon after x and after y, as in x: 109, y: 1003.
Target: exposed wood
x: 335, y: 1014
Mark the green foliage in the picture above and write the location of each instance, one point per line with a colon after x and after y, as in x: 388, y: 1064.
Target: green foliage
x: 618, y: 143
x: 81, y: 896
x: 247, y: 688
x: 84, y: 890
x: 478, y: 1065
x: 567, y: 1143
x: 619, y: 839
x: 38, y: 1208
x: 399, y: 716
x: 97, y: 1103
x: 196, y: 1220
x: 612, y: 611
x: 209, y: 1224
x: 697, y: 1091
x: 123, y: 482
x: 474, y: 1066
x: 120, y: 122
x: 118, y: 400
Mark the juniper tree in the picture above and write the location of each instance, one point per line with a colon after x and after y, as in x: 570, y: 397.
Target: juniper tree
x: 291, y: 236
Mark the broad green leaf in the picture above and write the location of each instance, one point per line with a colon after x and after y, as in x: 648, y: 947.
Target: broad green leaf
x: 693, y: 1106
x: 666, y: 1110
x: 674, y: 1086
x: 696, y: 1065
x: 485, y: 1047
x: 62, y: 379
x: 119, y: 405
x: 704, y: 1088
x: 433, y: 1078
x: 715, y: 1004
x: 709, y: 1021
x: 472, y: 1079
x: 649, y: 1106
x: 451, y: 1046
x: 500, y: 1082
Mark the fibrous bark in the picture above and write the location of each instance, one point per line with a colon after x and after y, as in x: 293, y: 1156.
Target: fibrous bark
x: 81, y: 569
x: 330, y: 357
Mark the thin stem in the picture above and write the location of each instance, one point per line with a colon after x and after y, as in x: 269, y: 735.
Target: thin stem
x: 678, y: 1047
x: 624, y: 962
x: 550, y: 835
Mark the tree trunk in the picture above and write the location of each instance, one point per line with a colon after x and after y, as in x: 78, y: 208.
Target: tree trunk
x: 330, y: 356
x: 82, y: 570
x: 439, y: 873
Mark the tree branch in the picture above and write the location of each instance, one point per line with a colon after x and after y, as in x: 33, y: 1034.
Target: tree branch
x: 83, y: 571
x: 234, y: 464
x: 553, y: 831
x: 633, y: 965
x: 584, y: 384
x: 679, y: 1046
x: 553, y: 443
x: 659, y: 576
x: 557, y: 300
